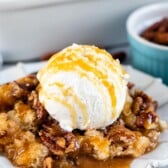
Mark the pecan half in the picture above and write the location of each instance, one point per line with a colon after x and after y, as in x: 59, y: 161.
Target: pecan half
x: 33, y: 100
x: 58, y: 141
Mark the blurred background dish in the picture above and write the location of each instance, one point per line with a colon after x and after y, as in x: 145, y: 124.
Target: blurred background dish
x: 32, y: 28
x: 148, y: 56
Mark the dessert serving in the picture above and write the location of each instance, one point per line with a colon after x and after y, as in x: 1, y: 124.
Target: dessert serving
x: 78, y: 111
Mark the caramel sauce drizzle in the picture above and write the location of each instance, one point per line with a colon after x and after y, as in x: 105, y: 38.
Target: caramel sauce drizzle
x: 65, y: 104
x: 70, y: 92
x: 70, y: 62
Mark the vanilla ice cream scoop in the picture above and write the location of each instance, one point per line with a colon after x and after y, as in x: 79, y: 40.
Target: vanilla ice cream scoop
x: 83, y: 87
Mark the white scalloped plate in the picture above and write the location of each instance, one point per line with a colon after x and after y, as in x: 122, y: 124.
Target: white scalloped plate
x: 153, y: 86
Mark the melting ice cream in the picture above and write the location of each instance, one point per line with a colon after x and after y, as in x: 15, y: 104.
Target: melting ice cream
x: 83, y: 87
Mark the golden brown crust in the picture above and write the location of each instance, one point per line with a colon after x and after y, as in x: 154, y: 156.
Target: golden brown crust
x: 30, y: 138
x: 48, y: 162
x: 21, y: 147
x: 24, y: 116
x: 10, y: 93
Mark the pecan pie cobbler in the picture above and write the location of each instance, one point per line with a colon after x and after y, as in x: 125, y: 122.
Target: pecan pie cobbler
x: 46, y: 122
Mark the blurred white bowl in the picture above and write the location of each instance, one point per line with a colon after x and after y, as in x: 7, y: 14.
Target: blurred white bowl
x: 32, y: 28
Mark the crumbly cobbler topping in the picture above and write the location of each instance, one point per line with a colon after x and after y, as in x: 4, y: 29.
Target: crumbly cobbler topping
x: 29, y: 137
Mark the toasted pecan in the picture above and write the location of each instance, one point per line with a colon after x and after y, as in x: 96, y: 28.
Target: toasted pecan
x: 34, y: 102
x: 11, y: 92
x: 57, y: 140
